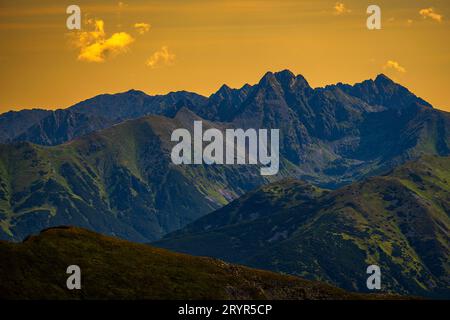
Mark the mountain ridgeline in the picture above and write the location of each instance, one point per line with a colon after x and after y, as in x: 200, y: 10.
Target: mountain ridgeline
x: 118, y: 181
x: 364, y: 179
x: 335, y: 134
x: 104, y: 163
x: 399, y: 221
x: 117, y: 269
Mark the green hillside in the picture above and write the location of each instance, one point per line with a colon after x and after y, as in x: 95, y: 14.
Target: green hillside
x: 399, y: 221
x: 119, y: 181
x: 118, y: 269
x: 109, y: 167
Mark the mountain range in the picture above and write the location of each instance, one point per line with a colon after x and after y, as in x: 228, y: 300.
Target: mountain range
x: 334, y: 135
x: 118, y: 181
x: 364, y: 179
x: 400, y: 221
x: 90, y: 165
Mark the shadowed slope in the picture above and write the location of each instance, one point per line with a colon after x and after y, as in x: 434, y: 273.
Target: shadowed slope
x: 117, y: 269
x: 399, y: 221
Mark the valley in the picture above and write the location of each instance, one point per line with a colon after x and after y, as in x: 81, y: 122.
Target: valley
x: 399, y: 221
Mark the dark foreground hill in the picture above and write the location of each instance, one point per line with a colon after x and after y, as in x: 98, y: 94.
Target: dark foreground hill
x: 399, y: 221
x: 117, y: 269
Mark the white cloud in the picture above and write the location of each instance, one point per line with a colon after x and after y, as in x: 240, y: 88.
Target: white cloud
x: 391, y: 64
x: 95, y: 46
x: 430, y: 13
x: 340, y: 8
x: 160, y: 58
x: 142, y: 27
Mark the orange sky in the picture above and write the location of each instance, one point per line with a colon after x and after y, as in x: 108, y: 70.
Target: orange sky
x: 197, y: 45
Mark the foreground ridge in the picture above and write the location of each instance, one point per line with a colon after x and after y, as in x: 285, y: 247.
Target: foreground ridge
x: 118, y: 269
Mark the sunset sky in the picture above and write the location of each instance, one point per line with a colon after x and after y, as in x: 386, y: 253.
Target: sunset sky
x: 197, y: 45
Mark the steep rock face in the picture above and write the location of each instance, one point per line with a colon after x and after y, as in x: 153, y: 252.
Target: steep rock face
x: 384, y: 92
x: 399, y: 221
x: 224, y: 104
x: 15, y: 123
x: 61, y: 126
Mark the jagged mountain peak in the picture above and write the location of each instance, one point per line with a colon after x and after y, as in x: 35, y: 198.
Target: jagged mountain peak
x: 284, y: 79
x: 225, y: 88
x: 134, y: 91
x: 284, y: 75
x: 302, y: 80
x: 268, y: 78
x: 223, y: 92
x: 289, y: 94
x: 382, y: 78
x: 383, y: 91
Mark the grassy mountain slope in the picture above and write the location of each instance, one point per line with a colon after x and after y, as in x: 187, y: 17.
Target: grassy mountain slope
x: 117, y: 269
x: 399, y: 221
x: 118, y: 181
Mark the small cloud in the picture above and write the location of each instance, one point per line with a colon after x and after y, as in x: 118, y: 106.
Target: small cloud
x: 95, y: 46
x: 161, y: 57
x: 430, y: 13
x: 142, y: 27
x: 339, y: 8
x: 391, y: 64
x: 409, y: 22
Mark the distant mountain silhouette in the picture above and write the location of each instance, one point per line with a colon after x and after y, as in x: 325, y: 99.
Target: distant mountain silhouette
x: 320, y: 111
x: 115, y: 175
